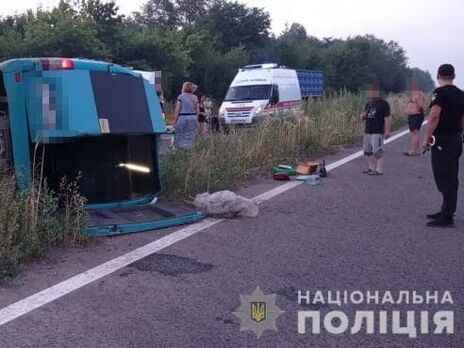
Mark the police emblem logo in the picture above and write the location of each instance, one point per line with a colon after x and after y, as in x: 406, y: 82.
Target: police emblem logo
x: 258, y: 312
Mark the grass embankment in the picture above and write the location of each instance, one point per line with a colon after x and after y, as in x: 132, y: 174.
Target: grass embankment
x: 36, y: 219
x: 222, y: 161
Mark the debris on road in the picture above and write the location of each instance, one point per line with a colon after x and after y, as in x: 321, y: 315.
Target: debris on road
x: 282, y: 168
x: 304, y: 169
x: 322, y: 171
x: 226, y: 204
x: 310, y: 179
x: 307, y: 168
x: 281, y: 176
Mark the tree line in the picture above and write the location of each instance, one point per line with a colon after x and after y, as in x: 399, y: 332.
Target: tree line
x: 205, y: 41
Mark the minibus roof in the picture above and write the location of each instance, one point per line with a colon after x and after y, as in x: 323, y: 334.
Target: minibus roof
x: 61, y: 63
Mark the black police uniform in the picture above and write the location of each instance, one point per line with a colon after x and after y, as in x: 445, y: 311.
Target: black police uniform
x: 448, y: 146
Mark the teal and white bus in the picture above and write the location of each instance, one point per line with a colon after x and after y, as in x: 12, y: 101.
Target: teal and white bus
x: 96, y: 122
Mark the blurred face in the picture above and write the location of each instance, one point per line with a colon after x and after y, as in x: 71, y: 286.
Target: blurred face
x: 415, y: 86
x: 373, y: 93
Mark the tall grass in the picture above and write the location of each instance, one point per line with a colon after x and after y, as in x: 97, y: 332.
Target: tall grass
x: 221, y: 161
x: 36, y: 219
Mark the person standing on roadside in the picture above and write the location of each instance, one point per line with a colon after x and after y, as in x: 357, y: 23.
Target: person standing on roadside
x: 444, y: 136
x: 202, y: 117
x: 186, y: 115
x: 160, y: 96
x: 415, y: 112
x: 211, y: 116
x: 378, y: 126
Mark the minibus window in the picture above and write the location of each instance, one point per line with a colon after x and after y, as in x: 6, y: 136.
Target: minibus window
x: 121, y: 102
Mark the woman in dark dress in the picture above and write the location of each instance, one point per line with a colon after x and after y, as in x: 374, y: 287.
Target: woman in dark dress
x: 202, y: 119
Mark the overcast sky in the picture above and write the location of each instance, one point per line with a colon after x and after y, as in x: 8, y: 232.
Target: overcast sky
x: 431, y: 31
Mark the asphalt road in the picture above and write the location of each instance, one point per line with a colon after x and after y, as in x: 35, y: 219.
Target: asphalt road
x: 353, y: 232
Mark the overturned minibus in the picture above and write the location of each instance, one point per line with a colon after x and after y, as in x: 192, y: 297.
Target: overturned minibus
x: 98, y: 122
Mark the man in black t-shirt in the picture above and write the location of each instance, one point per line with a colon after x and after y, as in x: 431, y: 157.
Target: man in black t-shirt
x: 444, y: 131
x: 378, y: 126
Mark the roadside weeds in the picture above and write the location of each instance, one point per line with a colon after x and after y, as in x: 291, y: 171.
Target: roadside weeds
x: 222, y: 161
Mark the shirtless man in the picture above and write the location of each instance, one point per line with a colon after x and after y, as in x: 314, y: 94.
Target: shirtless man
x: 415, y: 112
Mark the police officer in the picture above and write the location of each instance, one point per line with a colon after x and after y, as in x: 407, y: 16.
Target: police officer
x: 445, y: 137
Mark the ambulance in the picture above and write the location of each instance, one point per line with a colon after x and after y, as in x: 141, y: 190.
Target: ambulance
x: 258, y: 91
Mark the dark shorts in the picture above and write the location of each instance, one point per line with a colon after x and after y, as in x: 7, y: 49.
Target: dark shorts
x: 415, y: 122
x: 202, y: 118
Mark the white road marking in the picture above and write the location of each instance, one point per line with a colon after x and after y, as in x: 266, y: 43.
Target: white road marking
x: 276, y: 191
x: 48, y: 295
x: 78, y: 281
x: 288, y: 186
x: 358, y: 154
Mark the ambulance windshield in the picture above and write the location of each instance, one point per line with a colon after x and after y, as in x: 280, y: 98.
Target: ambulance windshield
x: 254, y: 92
